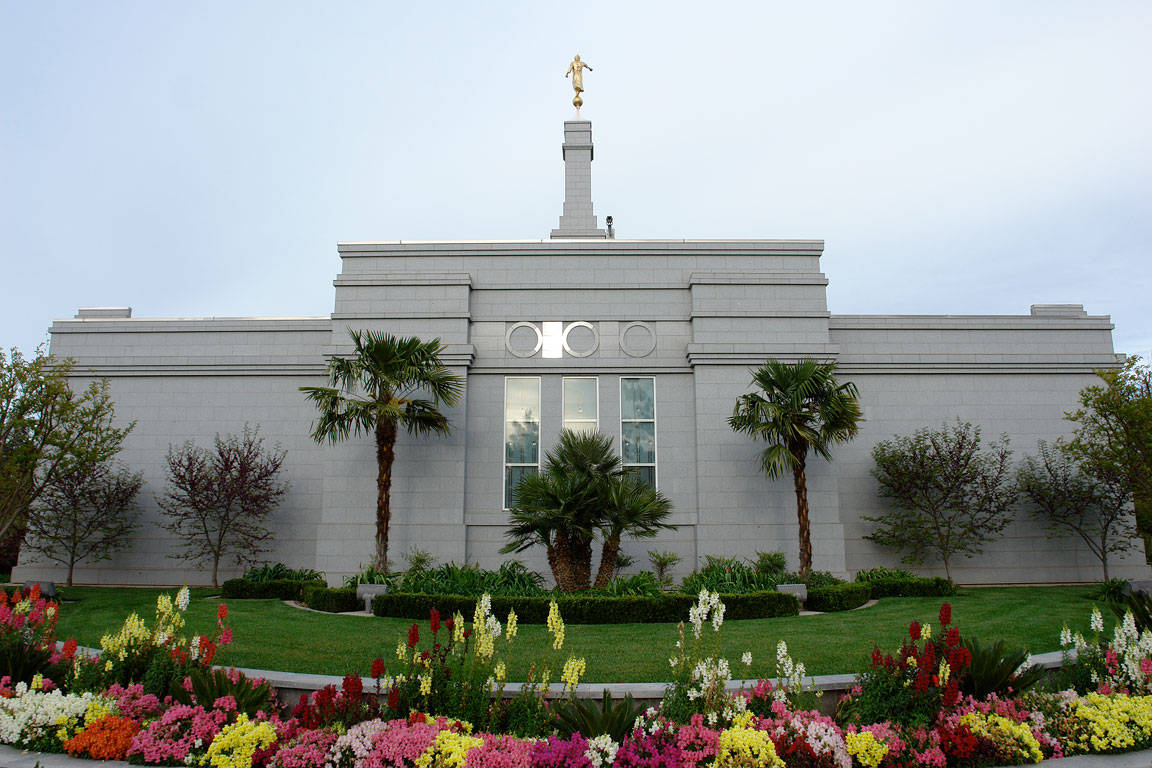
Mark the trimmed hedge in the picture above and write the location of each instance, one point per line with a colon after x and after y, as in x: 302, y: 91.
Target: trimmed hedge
x: 913, y: 587
x: 320, y: 598
x: 280, y: 589
x: 838, y: 597
x: 586, y: 609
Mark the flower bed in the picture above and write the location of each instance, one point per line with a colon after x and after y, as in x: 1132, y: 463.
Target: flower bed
x: 437, y: 701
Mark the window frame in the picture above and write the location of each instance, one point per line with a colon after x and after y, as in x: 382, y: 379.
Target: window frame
x: 564, y: 398
x: 655, y: 430
x: 504, y: 497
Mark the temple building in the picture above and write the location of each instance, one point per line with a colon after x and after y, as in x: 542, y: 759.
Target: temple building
x: 648, y: 341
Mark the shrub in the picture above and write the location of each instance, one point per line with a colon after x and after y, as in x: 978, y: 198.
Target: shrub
x: 592, y: 719
x: 279, y: 589
x: 320, y: 598
x: 251, y: 695
x: 997, y: 669
x: 587, y: 608
x: 511, y: 578
x: 372, y: 575
x: 642, y: 583
x: 838, y: 597
x: 880, y: 573
x: 280, y: 572
x: 913, y: 587
x: 727, y: 575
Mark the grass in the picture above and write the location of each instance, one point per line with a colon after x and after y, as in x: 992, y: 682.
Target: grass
x: 271, y: 635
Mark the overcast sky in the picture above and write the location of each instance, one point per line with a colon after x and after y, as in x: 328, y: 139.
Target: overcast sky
x: 203, y: 159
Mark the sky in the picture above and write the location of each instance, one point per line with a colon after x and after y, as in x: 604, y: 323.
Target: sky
x: 203, y: 159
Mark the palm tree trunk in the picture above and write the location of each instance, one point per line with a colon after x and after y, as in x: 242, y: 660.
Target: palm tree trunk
x: 581, y: 564
x: 608, y: 553
x: 800, y: 481
x: 385, y: 454
x: 561, y: 563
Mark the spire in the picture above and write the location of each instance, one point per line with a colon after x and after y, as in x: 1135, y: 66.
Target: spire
x: 578, y: 220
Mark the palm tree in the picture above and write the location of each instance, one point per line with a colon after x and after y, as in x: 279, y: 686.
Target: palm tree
x: 386, y: 384
x: 799, y: 407
x: 583, y: 490
x: 631, y: 507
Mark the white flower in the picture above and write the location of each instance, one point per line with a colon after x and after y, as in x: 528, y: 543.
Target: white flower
x: 747, y: 658
x: 182, y: 598
x: 1065, y: 637
x: 1097, y: 621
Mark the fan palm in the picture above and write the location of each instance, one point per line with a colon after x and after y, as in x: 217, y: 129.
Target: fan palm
x: 798, y: 407
x: 633, y: 507
x: 583, y: 490
x: 387, y: 383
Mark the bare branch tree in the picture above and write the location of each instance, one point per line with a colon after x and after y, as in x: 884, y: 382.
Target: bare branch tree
x: 949, y: 496
x: 218, y: 499
x: 1073, y: 497
x: 84, y: 514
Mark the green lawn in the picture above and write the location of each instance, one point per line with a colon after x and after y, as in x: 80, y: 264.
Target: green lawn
x: 271, y: 635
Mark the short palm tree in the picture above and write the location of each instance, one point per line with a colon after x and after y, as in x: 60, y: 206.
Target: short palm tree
x: 631, y: 507
x: 582, y: 491
x: 798, y: 407
x: 386, y: 384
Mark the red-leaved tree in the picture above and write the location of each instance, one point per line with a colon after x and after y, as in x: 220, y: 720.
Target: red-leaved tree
x: 218, y: 498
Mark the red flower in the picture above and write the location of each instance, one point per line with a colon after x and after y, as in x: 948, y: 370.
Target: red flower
x: 951, y: 693
x: 70, y: 648
x: 353, y: 686
x: 914, y: 631
x: 449, y: 623
x: 393, y: 697
x: 952, y: 639
x: 413, y: 636
x: 877, y: 657
x: 923, y: 680
x: 425, y: 655
x: 946, y: 614
x: 222, y: 611
x: 434, y: 620
x: 378, y: 668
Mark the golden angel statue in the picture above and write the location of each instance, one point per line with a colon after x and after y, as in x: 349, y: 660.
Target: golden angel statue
x: 576, y: 69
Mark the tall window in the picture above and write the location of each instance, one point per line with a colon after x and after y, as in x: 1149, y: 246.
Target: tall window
x: 521, y: 432
x: 581, y: 404
x: 638, y: 427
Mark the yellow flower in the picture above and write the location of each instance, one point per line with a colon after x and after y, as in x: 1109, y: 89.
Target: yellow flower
x: 865, y: 748
x: 555, y: 626
x: 458, y: 627
x: 402, y: 651
x: 573, y: 671
x: 500, y: 671
x: 425, y: 684
x: 450, y: 750
x: 944, y: 672
x: 510, y: 625
x: 1007, y: 734
x: 926, y: 631
x: 743, y: 746
x: 234, y: 746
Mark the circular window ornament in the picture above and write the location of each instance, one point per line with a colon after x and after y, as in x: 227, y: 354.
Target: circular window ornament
x: 637, y: 339
x: 521, y: 344
x: 580, y: 344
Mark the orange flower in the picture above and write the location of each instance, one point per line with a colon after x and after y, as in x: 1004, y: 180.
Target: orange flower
x: 107, y: 738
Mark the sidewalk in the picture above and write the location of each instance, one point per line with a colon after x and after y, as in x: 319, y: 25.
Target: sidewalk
x: 14, y: 758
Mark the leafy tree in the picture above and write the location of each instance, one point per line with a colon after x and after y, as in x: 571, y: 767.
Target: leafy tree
x: 375, y: 392
x: 949, y: 495
x: 1114, y: 435
x: 583, y: 491
x: 1073, y: 499
x: 799, y: 407
x: 47, y: 430
x: 86, y: 513
x: 218, y: 498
